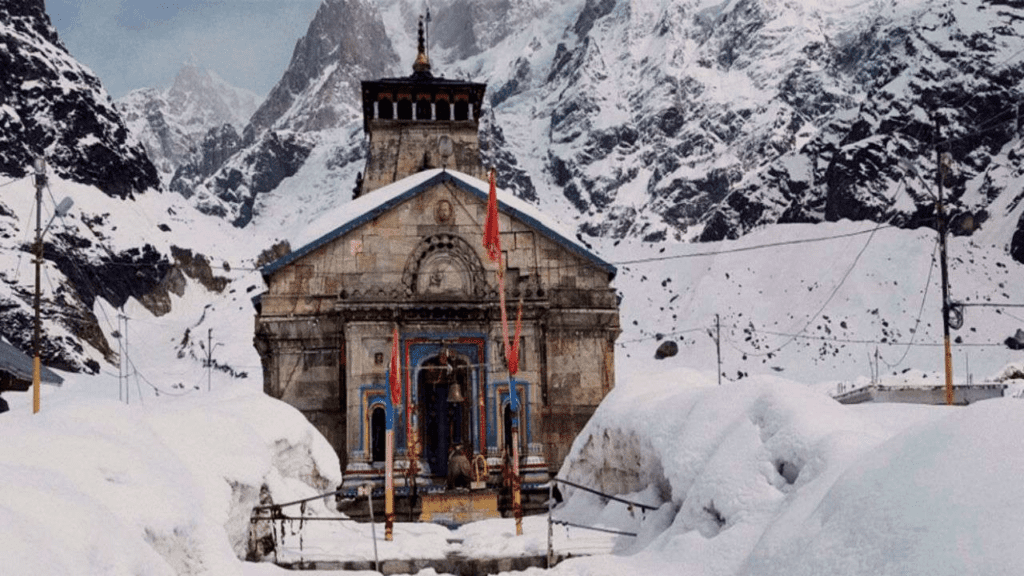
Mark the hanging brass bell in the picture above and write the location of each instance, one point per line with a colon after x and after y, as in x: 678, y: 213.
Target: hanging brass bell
x: 455, y: 393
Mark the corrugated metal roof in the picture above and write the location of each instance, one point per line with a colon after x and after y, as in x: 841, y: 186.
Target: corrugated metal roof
x: 18, y: 365
x: 372, y: 205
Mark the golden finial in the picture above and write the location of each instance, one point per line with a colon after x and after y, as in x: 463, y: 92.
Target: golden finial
x: 422, y: 63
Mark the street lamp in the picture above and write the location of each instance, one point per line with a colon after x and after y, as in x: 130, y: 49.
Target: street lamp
x: 39, y: 164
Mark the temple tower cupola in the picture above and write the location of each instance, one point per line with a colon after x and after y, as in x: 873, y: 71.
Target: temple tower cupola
x: 420, y: 122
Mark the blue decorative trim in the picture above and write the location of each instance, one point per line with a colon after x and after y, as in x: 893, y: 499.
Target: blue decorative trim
x: 503, y: 399
x: 419, y: 352
x: 375, y: 394
x: 440, y: 178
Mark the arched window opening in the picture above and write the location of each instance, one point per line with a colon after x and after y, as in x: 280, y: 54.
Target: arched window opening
x: 423, y: 110
x: 461, y: 111
x: 385, y: 109
x: 444, y: 110
x: 377, y: 424
x: 404, y: 110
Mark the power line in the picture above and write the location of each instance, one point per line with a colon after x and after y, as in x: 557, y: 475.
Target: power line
x: 661, y: 336
x: 755, y: 247
x: 885, y: 342
x: 920, y: 311
x: 157, y: 389
x: 835, y: 290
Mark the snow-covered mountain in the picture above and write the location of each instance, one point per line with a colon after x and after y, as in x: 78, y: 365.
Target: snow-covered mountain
x: 173, y: 123
x: 124, y: 244
x: 673, y: 136
x: 54, y: 106
x: 318, y: 94
x: 693, y: 119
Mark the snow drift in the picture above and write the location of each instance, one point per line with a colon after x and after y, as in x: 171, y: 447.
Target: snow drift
x: 770, y: 477
x: 92, y: 486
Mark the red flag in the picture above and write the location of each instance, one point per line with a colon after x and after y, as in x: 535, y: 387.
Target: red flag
x: 492, y: 236
x: 395, y: 376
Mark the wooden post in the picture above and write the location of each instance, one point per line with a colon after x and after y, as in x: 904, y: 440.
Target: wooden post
x: 551, y: 530
x: 389, y: 463
x: 389, y: 485
x: 40, y: 181
x: 517, y: 496
x: 941, y: 224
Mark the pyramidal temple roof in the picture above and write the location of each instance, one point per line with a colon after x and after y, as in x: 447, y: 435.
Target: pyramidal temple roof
x: 366, y: 208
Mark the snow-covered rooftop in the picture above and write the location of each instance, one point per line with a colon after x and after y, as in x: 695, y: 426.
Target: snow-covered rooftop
x: 375, y: 203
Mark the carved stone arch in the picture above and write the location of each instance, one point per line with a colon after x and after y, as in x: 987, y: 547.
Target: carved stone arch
x: 444, y: 266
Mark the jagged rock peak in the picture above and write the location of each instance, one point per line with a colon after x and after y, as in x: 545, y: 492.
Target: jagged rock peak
x: 54, y: 106
x: 345, y: 43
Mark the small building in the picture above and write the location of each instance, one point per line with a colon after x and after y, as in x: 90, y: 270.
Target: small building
x: 963, y: 394
x: 16, y: 370
x: 409, y: 254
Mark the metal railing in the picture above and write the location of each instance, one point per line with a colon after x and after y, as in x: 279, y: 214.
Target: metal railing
x: 552, y: 522
x: 274, y: 514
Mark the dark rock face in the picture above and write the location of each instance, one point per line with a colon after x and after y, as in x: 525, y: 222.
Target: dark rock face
x: 216, y: 148
x: 820, y: 138
x: 255, y: 170
x: 495, y: 153
x: 52, y: 105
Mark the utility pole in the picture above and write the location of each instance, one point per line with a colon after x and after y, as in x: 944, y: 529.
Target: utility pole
x: 120, y: 360
x: 718, y: 346
x: 40, y: 180
x: 209, y: 357
x: 942, y: 163
x: 127, y: 374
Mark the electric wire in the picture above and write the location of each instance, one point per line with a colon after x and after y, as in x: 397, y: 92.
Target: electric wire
x: 920, y: 312
x: 78, y: 270
x: 835, y: 289
x: 662, y: 336
x: 25, y: 241
x: 139, y: 375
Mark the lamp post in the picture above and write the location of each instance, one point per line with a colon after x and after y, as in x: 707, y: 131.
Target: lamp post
x: 40, y: 180
x: 39, y: 165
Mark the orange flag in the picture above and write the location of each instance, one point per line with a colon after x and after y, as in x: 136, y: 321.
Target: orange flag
x: 492, y: 236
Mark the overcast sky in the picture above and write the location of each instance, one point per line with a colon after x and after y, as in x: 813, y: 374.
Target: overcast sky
x: 142, y: 43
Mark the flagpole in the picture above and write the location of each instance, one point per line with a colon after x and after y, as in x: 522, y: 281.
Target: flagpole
x: 517, y: 496
x: 389, y: 467
x: 492, y: 243
x: 393, y: 396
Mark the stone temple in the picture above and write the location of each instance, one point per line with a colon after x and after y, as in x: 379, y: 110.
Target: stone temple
x: 408, y: 253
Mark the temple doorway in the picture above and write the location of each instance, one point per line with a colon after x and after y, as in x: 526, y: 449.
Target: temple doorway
x: 444, y: 408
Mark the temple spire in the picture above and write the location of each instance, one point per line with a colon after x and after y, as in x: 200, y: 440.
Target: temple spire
x: 422, y: 63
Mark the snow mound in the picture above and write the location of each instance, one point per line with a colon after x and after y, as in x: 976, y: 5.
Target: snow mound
x: 770, y: 477
x: 92, y: 486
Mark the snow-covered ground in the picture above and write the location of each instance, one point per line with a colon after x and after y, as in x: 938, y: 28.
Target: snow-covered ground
x: 758, y: 476
x: 763, y: 476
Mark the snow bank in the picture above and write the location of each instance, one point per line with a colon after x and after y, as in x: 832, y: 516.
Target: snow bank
x: 770, y: 477
x: 90, y: 486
